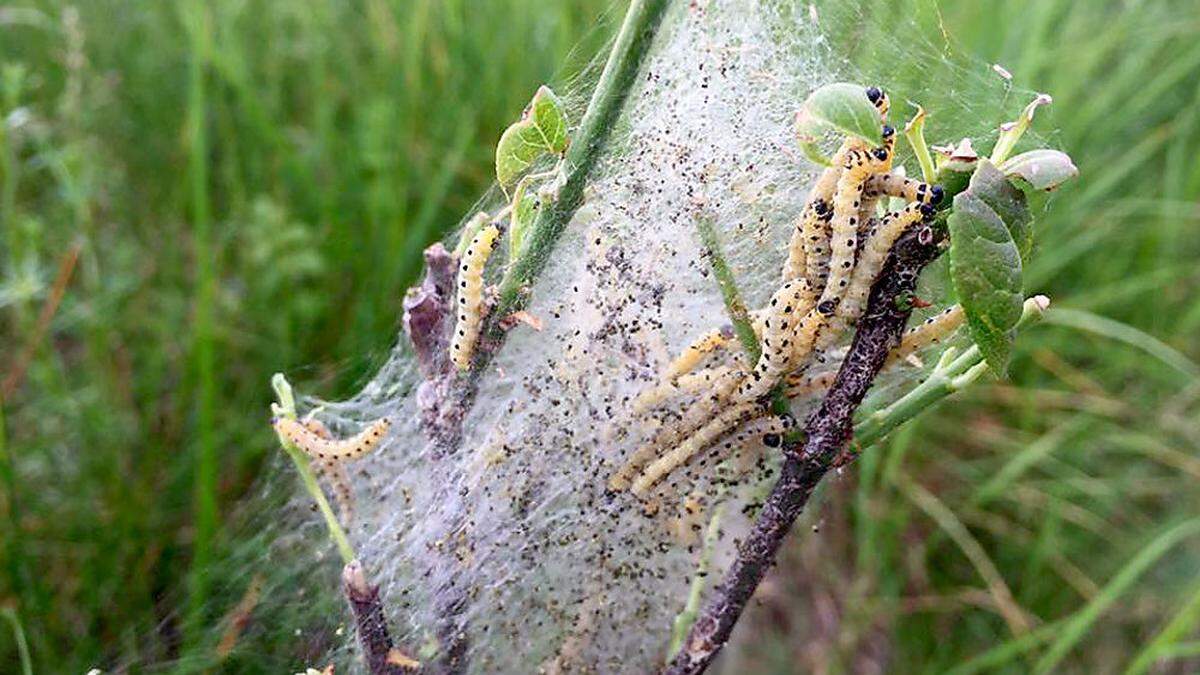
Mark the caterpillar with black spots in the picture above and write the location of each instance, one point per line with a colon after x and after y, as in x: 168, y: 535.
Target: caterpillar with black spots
x: 931, y: 331
x: 860, y: 165
x: 470, y: 296
x: 328, y: 449
x: 788, y: 306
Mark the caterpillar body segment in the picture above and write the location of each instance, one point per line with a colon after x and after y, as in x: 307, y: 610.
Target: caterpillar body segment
x: 787, y: 307
x: 470, y: 296
x: 908, y: 189
x: 695, y: 352
x: 768, y: 430
x: 801, y: 384
x: 338, y: 481
x: 670, y: 434
x: 874, y: 253
x: 860, y: 165
x: 327, y: 449
x: 881, y: 101
x: 933, y: 330
x: 685, y: 383
x: 814, y: 233
x: 701, y: 439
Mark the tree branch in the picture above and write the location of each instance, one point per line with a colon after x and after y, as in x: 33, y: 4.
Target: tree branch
x: 827, y: 432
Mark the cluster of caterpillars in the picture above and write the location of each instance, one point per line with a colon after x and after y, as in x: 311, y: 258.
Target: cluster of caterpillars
x: 329, y: 455
x: 836, y: 251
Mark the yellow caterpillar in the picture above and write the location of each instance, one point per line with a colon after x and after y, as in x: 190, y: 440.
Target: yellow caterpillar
x: 908, y: 189
x: 932, y: 330
x: 470, y: 296
x: 683, y: 384
x: 333, y: 472
x: 809, y: 246
x: 693, y: 417
x: 800, y: 384
x: 702, y: 438
x: 327, y: 449
x: 787, y: 308
x: 696, y: 351
x: 873, y: 255
x: 860, y: 165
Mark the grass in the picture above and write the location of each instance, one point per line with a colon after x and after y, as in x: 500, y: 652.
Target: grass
x: 248, y: 186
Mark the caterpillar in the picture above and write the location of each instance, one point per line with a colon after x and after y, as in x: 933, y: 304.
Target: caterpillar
x: 768, y: 429
x: 874, y: 252
x: 883, y: 105
x: 787, y: 307
x: 684, y: 383
x: 333, y: 472
x: 810, y: 239
x: 800, y: 384
x: 860, y: 164
x: 815, y: 242
x: 932, y: 330
x: 327, y: 449
x: 908, y: 189
x: 692, y: 418
x: 470, y: 296
x: 701, y: 439
x: 696, y: 351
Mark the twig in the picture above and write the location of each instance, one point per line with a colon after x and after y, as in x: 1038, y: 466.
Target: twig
x: 381, y: 656
x: 448, y: 397
x: 827, y: 431
x: 66, y: 267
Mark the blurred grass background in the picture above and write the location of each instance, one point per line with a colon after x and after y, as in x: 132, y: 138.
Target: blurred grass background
x: 194, y: 195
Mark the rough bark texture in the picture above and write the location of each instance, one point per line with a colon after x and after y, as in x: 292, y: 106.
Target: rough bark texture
x: 371, y: 623
x: 827, y: 432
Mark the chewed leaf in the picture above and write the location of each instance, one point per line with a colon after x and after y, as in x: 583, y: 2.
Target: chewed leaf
x: 842, y: 106
x: 993, y: 187
x: 1043, y: 169
x: 550, y: 118
x: 985, y: 266
x: 541, y: 130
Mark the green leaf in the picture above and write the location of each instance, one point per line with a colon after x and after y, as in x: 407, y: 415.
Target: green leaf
x: 842, y: 106
x: 985, y: 267
x: 993, y: 187
x: 1042, y: 169
x: 525, y: 207
x: 541, y: 130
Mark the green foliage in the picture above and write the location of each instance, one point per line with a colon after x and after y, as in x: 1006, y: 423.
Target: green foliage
x: 370, y: 128
x: 985, y: 262
x: 542, y: 130
x: 842, y: 107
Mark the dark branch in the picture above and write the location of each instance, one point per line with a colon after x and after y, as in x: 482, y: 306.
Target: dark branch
x: 827, y: 432
x: 382, y: 658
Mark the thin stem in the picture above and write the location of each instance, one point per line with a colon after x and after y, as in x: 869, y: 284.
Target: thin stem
x: 620, y: 72
x: 691, y: 609
x: 19, y: 635
x: 287, y: 408
x: 945, y: 379
x: 914, y: 132
x: 735, y: 307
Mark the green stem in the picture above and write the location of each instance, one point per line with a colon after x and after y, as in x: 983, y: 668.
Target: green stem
x: 199, y: 27
x: 287, y: 408
x: 734, y: 305
x: 691, y: 609
x: 620, y: 72
x: 949, y: 376
x: 19, y: 635
x: 914, y: 132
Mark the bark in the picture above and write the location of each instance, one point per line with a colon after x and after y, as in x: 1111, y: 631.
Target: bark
x: 827, y: 432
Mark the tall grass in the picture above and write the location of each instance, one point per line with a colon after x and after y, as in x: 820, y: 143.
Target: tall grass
x: 250, y: 183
